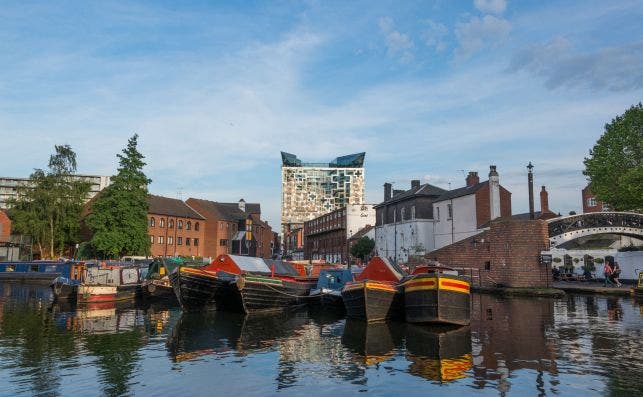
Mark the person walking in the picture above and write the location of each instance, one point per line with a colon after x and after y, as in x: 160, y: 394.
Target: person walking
x: 616, y: 273
x: 607, y: 272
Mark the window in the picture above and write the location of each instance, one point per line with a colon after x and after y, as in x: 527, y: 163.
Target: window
x: 437, y: 213
x: 413, y: 212
x: 220, y: 225
x: 160, y: 239
x: 606, y: 208
x: 179, y: 241
x: 487, y: 265
x: 187, y: 241
x: 196, y: 241
x: 179, y: 225
x: 382, y: 217
x: 152, y: 222
x: 449, y: 211
x: 170, y: 240
x: 170, y: 224
x: 151, y: 239
x: 196, y: 227
x: 162, y: 222
x: 188, y: 225
x: 591, y: 202
x: 402, y: 213
x: 223, y: 243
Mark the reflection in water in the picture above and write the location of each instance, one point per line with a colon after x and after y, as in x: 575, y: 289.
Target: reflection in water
x: 578, y: 344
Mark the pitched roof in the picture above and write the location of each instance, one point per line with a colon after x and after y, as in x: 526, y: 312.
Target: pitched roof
x: 227, y: 211
x: 169, y: 206
x: 362, y: 232
x: 463, y: 191
x: 424, y: 190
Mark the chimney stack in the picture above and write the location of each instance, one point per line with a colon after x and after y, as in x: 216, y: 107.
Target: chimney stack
x: 242, y: 205
x: 415, y: 184
x: 494, y: 193
x: 472, y: 179
x: 544, y: 201
x: 388, y: 189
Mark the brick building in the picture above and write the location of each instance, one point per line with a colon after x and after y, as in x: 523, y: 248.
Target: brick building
x: 234, y: 228
x: 506, y: 254
x: 591, y: 203
x: 294, y: 243
x: 326, y: 237
x: 5, y: 226
x: 174, y: 228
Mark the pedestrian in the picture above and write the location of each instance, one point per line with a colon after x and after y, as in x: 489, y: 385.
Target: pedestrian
x: 616, y: 273
x: 607, y: 272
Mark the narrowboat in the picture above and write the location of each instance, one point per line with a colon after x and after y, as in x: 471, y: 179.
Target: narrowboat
x: 38, y: 272
x: 375, y: 295
x: 109, y: 284
x: 637, y: 290
x: 436, y: 294
x: 156, y: 284
x: 328, y: 291
x: 439, y: 353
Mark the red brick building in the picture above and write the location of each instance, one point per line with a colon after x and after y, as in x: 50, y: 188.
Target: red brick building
x: 294, y: 243
x: 591, y: 203
x: 226, y: 227
x: 174, y: 228
x: 5, y: 226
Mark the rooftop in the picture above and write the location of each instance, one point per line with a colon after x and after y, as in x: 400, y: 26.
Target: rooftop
x: 424, y: 190
x: 168, y: 206
x: 227, y: 211
x: 355, y: 160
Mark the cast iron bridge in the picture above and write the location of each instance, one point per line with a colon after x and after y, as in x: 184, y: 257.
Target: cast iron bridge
x: 572, y: 227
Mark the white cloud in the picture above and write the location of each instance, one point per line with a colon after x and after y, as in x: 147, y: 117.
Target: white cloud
x: 434, y: 35
x: 398, y: 44
x: 491, y: 6
x: 478, y: 33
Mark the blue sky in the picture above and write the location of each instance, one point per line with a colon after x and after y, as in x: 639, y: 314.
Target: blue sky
x: 428, y: 89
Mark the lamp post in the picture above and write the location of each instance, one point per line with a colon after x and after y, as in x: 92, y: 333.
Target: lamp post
x: 530, y: 181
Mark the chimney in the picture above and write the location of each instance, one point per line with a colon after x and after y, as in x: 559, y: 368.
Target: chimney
x: 415, y: 184
x: 544, y: 201
x: 242, y: 205
x: 494, y: 193
x: 472, y: 179
x: 387, y: 191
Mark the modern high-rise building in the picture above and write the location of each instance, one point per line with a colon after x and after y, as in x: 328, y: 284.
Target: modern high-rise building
x: 313, y: 189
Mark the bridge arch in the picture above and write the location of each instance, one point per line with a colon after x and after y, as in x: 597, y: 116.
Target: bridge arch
x: 564, y: 229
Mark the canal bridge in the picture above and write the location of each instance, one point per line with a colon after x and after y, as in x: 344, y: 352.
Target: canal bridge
x: 567, y: 228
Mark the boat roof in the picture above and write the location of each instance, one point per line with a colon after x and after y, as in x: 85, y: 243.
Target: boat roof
x: 381, y: 269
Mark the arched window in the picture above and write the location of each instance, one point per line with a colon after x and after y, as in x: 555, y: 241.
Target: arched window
x: 196, y: 227
x: 170, y: 223
x: 152, y: 222
x: 188, y: 225
x: 179, y: 225
x: 162, y: 222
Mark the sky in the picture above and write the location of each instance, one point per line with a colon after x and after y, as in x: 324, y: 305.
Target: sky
x: 429, y: 90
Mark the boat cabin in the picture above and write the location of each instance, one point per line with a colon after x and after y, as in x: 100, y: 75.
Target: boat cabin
x: 381, y: 269
x: 334, y: 279
x: 423, y: 269
x: 236, y: 264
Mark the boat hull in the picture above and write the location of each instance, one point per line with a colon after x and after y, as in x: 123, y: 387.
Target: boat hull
x: 64, y: 290
x: 197, y: 289
x: 262, y: 294
x: 158, y: 290
x: 372, y: 301
x: 437, y: 299
x: 106, y: 293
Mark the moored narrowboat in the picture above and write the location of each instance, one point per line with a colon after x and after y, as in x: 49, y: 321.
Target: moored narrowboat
x: 328, y: 291
x: 376, y: 294
x: 437, y: 295
x: 637, y: 290
x: 110, y: 284
x: 38, y: 272
x: 257, y: 293
x: 156, y: 284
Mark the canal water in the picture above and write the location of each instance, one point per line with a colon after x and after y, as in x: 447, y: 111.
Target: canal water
x: 579, y: 345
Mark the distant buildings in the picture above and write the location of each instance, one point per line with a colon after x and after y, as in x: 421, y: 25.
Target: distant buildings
x: 590, y: 203
x: 174, y: 228
x: 9, y: 186
x: 326, y: 237
x: 5, y: 226
x: 425, y: 218
x: 312, y: 189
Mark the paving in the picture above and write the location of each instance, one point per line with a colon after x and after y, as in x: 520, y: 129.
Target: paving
x: 592, y: 287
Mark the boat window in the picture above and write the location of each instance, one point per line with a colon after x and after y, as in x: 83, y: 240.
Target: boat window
x: 34, y: 268
x: 10, y: 268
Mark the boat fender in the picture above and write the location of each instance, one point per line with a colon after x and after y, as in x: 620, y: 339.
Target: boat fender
x: 241, y: 282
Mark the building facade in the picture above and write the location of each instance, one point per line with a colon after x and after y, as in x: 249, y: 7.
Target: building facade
x: 312, y: 189
x: 174, y: 228
x: 591, y: 203
x: 294, y: 240
x: 326, y: 237
x: 234, y: 228
x: 9, y: 186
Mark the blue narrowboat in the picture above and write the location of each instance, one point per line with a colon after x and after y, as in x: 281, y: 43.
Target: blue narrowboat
x: 329, y: 286
x: 41, y: 272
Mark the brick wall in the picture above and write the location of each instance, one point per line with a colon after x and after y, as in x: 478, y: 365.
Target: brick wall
x: 507, y: 254
x: 170, y: 240
x: 5, y: 226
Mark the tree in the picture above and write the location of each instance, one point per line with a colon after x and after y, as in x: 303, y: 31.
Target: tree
x: 615, y: 164
x: 48, y: 207
x: 118, y: 218
x: 363, y: 247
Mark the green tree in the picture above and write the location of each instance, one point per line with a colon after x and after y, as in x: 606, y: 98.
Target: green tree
x: 49, y: 206
x: 615, y: 164
x: 118, y: 218
x: 363, y: 247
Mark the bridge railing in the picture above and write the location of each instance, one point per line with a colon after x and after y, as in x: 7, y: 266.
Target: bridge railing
x: 568, y: 224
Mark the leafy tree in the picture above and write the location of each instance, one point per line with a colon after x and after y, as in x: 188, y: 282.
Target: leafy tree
x: 363, y: 247
x: 615, y: 164
x: 118, y: 218
x: 48, y: 207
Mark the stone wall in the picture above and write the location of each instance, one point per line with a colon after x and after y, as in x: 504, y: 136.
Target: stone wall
x: 507, y: 254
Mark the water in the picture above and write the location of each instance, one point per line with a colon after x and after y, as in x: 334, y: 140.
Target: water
x: 580, y: 345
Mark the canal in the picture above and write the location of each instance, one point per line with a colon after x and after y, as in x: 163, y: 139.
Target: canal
x: 579, y: 345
